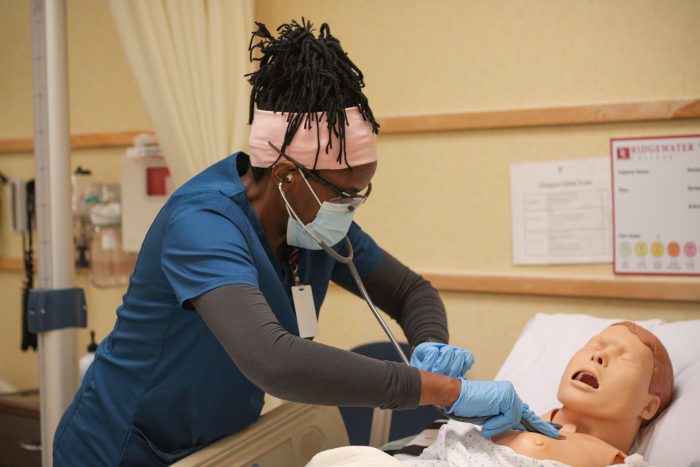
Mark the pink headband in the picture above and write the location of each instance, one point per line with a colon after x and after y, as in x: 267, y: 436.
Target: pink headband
x: 360, y: 141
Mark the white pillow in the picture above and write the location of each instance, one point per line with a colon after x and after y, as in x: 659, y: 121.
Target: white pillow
x: 546, y: 344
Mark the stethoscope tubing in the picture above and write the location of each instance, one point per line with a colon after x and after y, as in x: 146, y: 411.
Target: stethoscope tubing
x: 348, y: 260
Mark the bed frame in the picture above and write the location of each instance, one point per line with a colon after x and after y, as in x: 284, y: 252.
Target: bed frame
x: 290, y: 435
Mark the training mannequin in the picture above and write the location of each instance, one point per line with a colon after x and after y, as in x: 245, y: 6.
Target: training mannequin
x: 617, y: 383
x: 614, y: 385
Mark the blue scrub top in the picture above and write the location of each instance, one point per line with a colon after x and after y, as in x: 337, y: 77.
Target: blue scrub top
x: 161, y: 386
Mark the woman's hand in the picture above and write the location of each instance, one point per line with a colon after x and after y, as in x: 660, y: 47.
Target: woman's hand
x: 443, y: 359
x: 498, y: 400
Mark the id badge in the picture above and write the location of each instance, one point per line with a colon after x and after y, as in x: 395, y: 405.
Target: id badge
x: 305, y: 309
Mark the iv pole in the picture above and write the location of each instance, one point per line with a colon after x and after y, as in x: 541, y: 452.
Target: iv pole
x: 58, y: 356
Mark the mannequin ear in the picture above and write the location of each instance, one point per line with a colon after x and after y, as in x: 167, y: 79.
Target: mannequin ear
x: 651, y: 407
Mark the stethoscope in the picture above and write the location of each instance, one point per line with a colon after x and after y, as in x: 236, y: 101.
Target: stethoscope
x: 348, y: 260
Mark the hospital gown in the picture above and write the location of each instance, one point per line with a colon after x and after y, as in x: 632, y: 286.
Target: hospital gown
x: 462, y: 444
x: 457, y: 444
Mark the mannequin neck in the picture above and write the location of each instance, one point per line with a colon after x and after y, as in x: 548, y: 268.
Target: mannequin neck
x: 619, y: 433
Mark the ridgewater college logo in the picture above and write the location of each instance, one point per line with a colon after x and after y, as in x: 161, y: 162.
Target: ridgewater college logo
x: 623, y: 154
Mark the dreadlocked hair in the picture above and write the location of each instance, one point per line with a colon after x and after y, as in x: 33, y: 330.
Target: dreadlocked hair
x: 304, y: 75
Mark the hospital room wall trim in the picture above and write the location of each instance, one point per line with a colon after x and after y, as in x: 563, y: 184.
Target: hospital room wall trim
x: 674, y: 109
x: 80, y: 141
x: 660, y: 289
x: 655, y: 289
x: 546, y: 116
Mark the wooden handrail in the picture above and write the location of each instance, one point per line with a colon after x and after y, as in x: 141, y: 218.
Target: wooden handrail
x: 677, y: 109
x: 628, y: 288
x: 82, y: 141
x: 11, y: 264
x: 674, y: 109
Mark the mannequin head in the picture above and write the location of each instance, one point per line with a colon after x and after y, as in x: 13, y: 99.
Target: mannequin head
x: 623, y: 373
x: 662, y: 375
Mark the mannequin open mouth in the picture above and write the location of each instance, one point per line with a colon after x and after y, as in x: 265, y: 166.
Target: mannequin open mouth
x: 586, y: 378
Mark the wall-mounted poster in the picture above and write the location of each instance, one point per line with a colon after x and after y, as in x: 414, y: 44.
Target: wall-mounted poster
x: 656, y: 205
x: 560, y: 212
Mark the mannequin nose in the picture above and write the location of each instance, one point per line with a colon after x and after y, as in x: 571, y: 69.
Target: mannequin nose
x: 600, y: 358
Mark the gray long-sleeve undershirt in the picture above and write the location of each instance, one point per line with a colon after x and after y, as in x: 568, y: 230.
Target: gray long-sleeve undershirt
x: 408, y: 298
x: 299, y: 370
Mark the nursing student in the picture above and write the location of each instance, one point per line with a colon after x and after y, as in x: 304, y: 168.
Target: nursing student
x: 208, y: 324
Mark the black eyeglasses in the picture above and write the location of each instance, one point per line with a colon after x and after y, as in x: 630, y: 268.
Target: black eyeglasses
x: 343, y: 197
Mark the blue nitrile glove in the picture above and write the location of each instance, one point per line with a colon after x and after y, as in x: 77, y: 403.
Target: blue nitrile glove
x: 499, y: 400
x: 443, y: 359
x: 537, y: 423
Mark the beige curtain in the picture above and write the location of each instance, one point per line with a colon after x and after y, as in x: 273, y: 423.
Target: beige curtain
x: 188, y: 58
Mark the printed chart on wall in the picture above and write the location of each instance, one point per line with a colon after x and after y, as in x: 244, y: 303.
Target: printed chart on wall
x: 656, y: 205
x: 561, y: 212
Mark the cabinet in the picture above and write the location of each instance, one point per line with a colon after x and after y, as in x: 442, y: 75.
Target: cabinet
x: 20, y: 431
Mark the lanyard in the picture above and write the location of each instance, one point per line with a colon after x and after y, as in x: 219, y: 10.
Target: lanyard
x: 303, y: 300
x: 293, y: 263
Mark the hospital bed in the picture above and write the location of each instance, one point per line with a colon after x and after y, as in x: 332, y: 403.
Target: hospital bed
x: 288, y: 435
x: 291, y: 434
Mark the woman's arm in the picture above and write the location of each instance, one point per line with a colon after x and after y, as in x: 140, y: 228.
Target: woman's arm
x: 300, y: 370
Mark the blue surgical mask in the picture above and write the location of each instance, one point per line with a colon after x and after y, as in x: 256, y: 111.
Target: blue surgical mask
x: 330, y: 225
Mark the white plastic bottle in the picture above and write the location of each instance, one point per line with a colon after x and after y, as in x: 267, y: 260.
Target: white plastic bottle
x: 87, y: 359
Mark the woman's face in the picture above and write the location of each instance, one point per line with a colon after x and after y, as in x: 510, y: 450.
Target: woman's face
x: 303, y: 201
x: 609, y: 377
